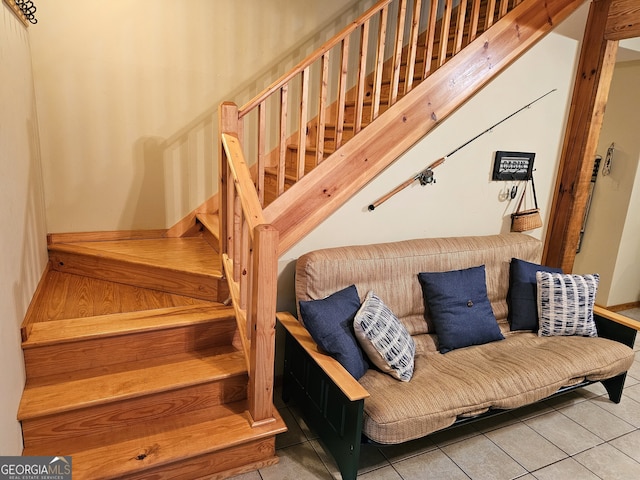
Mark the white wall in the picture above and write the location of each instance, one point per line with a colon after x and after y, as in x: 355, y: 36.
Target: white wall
x: 610, y: 245
x: 128, y: 93
x: 464, y: 201
x: 22, y: 224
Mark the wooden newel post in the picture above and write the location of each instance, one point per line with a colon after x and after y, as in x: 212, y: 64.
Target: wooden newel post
x: 263, y: 324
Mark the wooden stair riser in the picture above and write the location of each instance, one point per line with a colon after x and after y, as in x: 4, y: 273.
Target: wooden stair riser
x: 218, y: 465
x: 88, y: 427
x: 67, y: 357
x: 220, y: 446
x: 271, y: 186
x: 205, y: 287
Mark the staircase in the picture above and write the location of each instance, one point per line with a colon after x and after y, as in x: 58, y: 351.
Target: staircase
x: 137, y: 364
x: 134, y: 366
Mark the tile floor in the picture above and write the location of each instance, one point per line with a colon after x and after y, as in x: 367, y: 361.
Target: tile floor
x: 578, y: 436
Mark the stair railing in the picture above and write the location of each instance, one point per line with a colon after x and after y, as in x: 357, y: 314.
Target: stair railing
x: 376, y: 78
x: 249, y: 250
x: 310, y: 112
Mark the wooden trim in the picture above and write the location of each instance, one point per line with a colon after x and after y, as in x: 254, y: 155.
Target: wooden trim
x: 30, y: 315
x: 73, y: 237
x: 343, y: 379
x: 590, y: 92
x: 243, y: 181
x: 623, y: 20
x: 616, y: 317
x: 623, y: 306
x: 17, y: 12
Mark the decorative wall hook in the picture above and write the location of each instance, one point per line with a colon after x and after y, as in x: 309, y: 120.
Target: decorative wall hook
x: 28, y: 9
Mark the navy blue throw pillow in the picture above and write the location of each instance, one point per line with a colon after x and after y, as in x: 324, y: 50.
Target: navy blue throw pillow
x: 330, y: 323
x: 459, y: 308
x: 522, y: 295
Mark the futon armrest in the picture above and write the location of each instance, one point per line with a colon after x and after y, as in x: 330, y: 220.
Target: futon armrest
x: 334, y: 370
x: 614, y: 326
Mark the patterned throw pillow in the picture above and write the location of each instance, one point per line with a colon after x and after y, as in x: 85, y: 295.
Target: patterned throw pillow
x: 384, y: 338
x: 565, y: 304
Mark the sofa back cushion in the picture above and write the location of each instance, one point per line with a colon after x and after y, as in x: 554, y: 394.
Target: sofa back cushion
x: 391, y: 270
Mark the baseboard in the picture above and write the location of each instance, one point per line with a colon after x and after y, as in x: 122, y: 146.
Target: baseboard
x: 73, y: 237
x: 623, y: 306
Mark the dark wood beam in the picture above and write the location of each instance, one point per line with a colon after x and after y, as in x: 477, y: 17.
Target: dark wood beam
x: 624, y: 20
x: 590, y: 93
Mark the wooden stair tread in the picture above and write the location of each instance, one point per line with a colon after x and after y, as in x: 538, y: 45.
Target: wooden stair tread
x: 95, y: 297
x: 84, y: 328
x: 53, y: 395
x: 188, y: 254
x: 169, y: 440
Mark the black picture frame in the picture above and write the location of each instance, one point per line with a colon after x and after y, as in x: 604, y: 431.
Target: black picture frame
x: 513, y: 165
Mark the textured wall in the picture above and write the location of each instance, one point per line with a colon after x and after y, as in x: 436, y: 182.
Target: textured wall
x: 22, y: 221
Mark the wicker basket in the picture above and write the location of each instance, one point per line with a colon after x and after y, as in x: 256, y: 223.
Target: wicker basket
x: 526, y: 220
x: 523, y: 220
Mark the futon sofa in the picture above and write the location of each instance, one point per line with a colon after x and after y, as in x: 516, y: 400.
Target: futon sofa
x: 420, y: 335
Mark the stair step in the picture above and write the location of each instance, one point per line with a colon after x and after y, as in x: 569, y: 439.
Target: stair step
x: 102, y: 326
x: 93, y: 424
x: 184, y: 266
x: 92, y: 387
x: 63, y: 346
x: 190, y: 446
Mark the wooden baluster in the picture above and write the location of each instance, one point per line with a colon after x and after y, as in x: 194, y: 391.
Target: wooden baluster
x: 444, y: 33
x: 462, y: 12
x: 504, y: 8
x: 413, y: 47
x: 430, y: 38
x: 491, y: 10
x: 475, y: 18
x: 324, y: 83
x: 362, y: 76
x: 262, y: 126
x: 237, y: 237
x: 379, y: 66
x: 302, y: 123
x: 397, y: 56
x: 342, y: 92
x: 244, y: 242
x: 246, y: 276
x: 283, y: 138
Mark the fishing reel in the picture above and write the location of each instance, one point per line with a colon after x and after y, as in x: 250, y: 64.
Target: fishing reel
x: 426, y: 177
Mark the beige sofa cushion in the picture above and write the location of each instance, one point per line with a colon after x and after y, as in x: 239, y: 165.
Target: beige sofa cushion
x: 519, y: 370
x: 391, y: 270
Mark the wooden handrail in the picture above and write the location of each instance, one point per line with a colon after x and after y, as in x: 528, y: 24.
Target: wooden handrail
x: 336, y: 40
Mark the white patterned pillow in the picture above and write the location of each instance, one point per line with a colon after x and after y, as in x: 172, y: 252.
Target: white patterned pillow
x: 565, y: 304
x: 384, y: 338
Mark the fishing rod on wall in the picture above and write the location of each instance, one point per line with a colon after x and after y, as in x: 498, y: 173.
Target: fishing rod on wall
x: 425, y: 177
